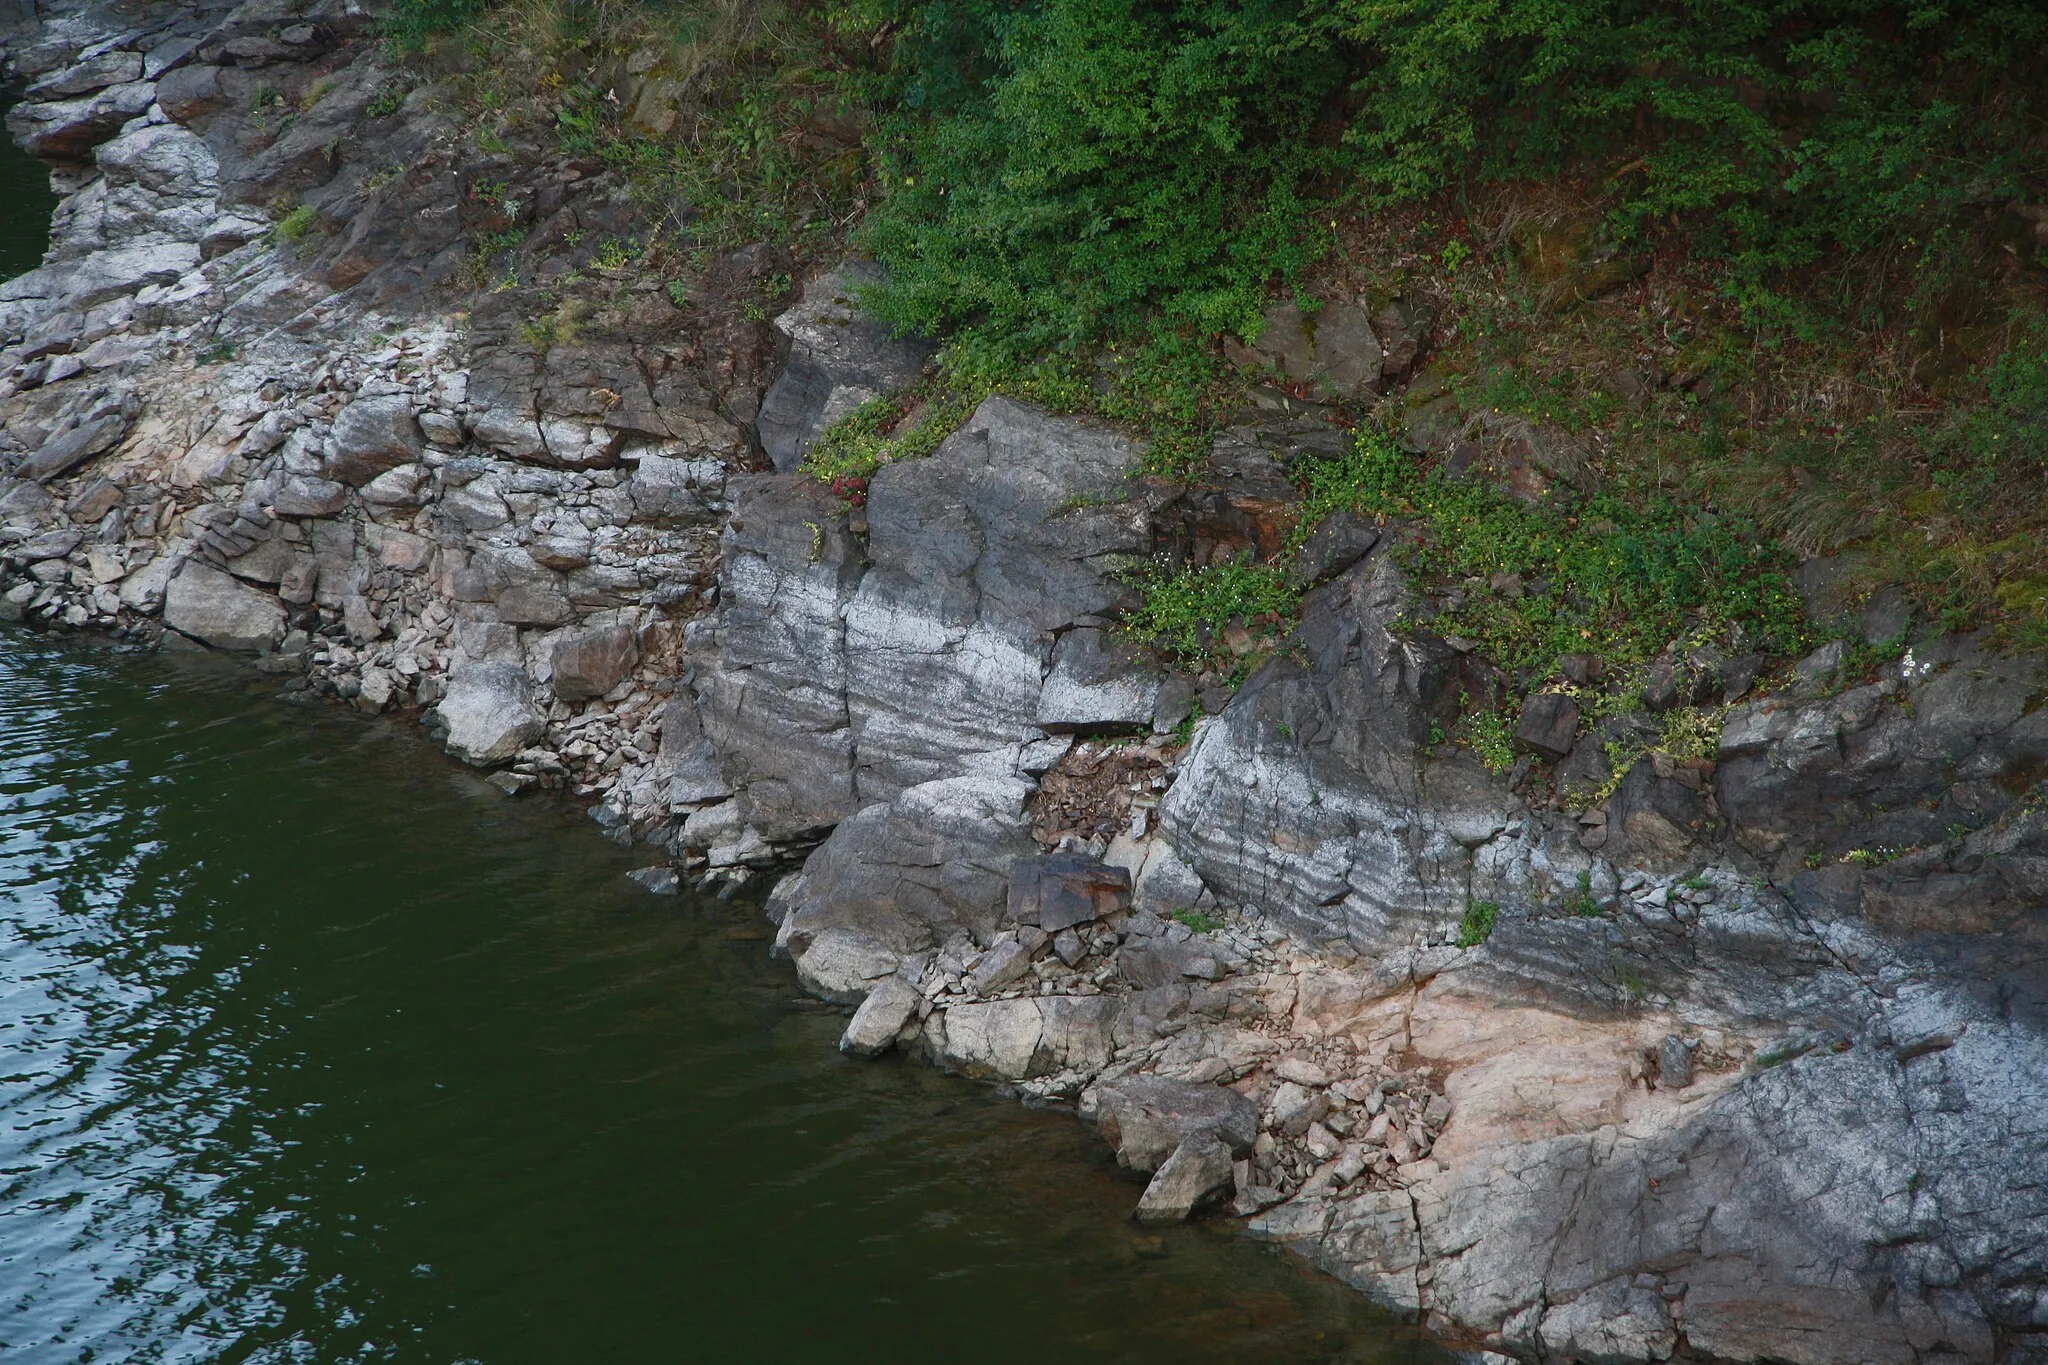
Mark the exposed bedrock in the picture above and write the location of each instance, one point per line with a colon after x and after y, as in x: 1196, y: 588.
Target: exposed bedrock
x: 1692, y: 1097
x: 1745, y: 1063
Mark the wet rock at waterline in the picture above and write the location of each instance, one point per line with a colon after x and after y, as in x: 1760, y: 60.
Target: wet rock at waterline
x: 215, y: 609
x: 489, y: 714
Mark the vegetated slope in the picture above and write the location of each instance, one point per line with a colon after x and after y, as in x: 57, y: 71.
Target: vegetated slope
x: 1783, y: 262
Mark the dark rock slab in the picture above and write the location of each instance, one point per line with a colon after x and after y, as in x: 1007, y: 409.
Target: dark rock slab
x: 1061, y: 890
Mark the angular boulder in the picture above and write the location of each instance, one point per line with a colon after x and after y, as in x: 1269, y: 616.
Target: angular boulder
x: 1146, y: 1117
x: 94, y: 434
x: 1335, y: 350
x: 1197, y: 1169
x: 305, y: 496
x: 1549, y: 725
x: 489, y: 713
x: 214, y: 608
x: 68, y: 130
x: 1061, y: 890
x: 371, y: 436
x: 83, y: 78
x: 874, y: 1026
x: 591, y: 663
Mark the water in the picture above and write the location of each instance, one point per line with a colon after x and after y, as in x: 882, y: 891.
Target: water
x: 314, y: 1048
x: 25, y: 190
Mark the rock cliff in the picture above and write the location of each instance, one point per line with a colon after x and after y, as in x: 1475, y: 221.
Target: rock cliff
x: 1747, y: 1062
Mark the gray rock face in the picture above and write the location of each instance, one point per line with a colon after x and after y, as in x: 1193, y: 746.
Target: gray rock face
x: 1868, y: 1188
x: 1339, y: 829
x: 838, y: 360
x: 210, y: 606
x: 1099, y: 683
x: 1778, y: 1224
x: 372, y: 435
x: 970, y: 569
x: 1612, y: 1324
x: 839, y: 683
x: 489, y: 713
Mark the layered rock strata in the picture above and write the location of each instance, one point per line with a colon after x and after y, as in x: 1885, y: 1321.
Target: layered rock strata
x: 1750, y: 1065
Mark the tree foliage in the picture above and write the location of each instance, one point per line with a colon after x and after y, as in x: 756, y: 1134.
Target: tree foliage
x: 1055, y: 165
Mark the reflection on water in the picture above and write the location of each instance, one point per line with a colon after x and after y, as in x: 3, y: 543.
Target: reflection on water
x: 314, y: 1048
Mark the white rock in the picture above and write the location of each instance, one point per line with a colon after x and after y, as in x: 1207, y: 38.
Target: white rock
x: 211, y: 606
x: 489, y: 713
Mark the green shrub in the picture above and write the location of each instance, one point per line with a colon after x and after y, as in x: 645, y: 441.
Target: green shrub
x: 1493, y: 739
x: 1185, y: 609
x: 409, y: 25
x: 1609, y: 575
x: 1056, y: 166
x: 1478, y: 925
x: 294, y: 226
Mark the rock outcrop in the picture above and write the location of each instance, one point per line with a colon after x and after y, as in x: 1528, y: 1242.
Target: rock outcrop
x: 1748, y: 1061
x: 1690, y: 1095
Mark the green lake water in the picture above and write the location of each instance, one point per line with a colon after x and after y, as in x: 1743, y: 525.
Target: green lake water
x: 28, y: 203
x: 315, y: 1048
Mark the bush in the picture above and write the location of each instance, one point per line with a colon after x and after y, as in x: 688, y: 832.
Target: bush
x: 409, y: 25
x: 1112, y: 156
x: 294, y: 226
x: 1479, y: 921
x: 1185, y: 609
x: 1057, y: 166
x: 1608, y: 575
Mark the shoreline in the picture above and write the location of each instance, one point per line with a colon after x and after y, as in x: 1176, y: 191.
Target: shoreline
x: 1231, y: 939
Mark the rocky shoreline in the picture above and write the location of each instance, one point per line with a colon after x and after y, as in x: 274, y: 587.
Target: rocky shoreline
x: 1748, y: 1065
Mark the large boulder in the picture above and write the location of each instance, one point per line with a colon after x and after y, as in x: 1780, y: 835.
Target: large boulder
x: 1147, y: 1117
x: 372, y: 435
x: 590, y: 663
x: 93, y: 432
x: 214, y: 608
x: 1026, y: 1037
x: 881, y: 1017
x: 489, y: 713
x: 1333, y: 350
x: 1197, y: 1170
x: 902, y: 877
x: 302, y: 495
x: 83, y: 78
x: 1061, y: 890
